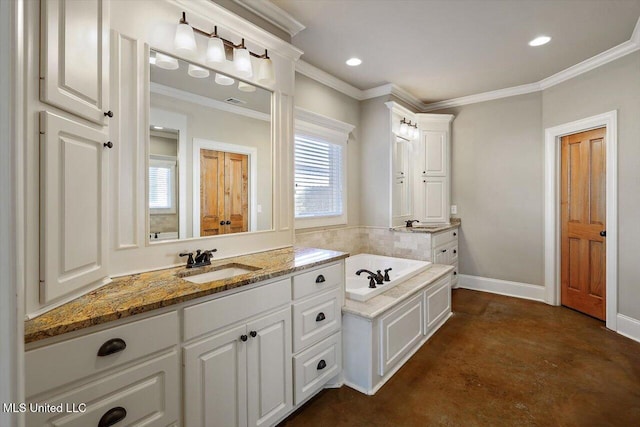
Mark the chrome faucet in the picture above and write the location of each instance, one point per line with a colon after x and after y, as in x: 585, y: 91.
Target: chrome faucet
x: 202, y: 258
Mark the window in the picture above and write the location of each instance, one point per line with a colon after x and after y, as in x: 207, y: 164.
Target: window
x: 320, y: 170
x: 162, y: 186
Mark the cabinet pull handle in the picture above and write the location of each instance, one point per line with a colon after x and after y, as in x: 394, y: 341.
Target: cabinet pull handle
x: 243, y: 338
x: 320, y: 279
x: 321, y: 365
x: 227, y: 222
x: 109, y: 114
x: 253, y: 334
x: 115, y: 345
x: 455, y: 234
x: 444, y: 250
x: 320, y: 317
x: 108, y: 144
x: 455, y: 273
x: 112, y: 416
x: 455, y: 251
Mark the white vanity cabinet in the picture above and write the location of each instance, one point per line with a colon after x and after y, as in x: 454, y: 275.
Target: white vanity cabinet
x: 128, y: 373
x: 242, y: 374
x: 74, y: 71
x: 445, y: 251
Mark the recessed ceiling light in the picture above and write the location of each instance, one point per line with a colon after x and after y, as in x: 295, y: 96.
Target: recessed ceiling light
x: 539, y: 41
x: 354, y: 62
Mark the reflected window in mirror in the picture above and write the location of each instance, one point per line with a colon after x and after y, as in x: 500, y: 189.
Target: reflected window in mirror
x: 223, y: 148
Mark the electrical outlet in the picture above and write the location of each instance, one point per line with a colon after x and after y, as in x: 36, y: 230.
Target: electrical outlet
x: 454, y: 209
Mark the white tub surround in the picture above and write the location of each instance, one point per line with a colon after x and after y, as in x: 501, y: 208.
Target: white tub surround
x: 401, y: 269
x: 381, y: 334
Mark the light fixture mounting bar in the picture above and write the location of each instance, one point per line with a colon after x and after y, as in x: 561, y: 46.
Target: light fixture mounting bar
x: 226, y: 42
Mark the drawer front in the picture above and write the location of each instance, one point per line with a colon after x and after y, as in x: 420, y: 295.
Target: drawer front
x: 148, y: 393
x: 212, y: 315
x: 316, y: 318
x: 314, y: 367
x: 62, y: 363
x: 400, y: 331
x: 445, y: 237
x: 437, y: 302
x: 318, y: 280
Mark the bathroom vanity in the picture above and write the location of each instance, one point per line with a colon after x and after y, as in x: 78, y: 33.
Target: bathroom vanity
x: 246, y: 350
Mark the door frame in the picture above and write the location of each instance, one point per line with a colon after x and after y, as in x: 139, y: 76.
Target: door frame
x: 609, y: 121
x: 252, y: 152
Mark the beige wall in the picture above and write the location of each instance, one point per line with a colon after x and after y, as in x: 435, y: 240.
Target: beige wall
x: 615, y: 86
x: 314, y: 96
x: 497, y: 184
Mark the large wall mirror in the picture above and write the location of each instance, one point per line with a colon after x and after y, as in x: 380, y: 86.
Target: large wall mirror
x: 210, y: 152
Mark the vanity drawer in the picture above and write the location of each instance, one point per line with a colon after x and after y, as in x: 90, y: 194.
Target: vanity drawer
x: 211, y: 315
x: 318, y: 280
x: 58, y: 364
x: 148, y: 393
x: 314, y: 367
x: 316, y: 318
x: 445, y: 237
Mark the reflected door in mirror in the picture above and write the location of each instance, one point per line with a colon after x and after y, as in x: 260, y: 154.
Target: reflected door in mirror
x: 223, y: 193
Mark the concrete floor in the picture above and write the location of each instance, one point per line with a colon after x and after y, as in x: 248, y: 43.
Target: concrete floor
x: 500, y: 361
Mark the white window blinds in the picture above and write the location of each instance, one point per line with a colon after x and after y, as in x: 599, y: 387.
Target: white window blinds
x: 162, y: 186
x: 318, y: 178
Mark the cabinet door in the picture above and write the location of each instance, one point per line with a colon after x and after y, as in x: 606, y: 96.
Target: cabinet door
x: 435, y: 153
x: 74, y: 57
x: 269, y: 368
x: 215, y: 380
x: 73, y: 162
x: 400, y: 331
x: 437, y: 303
x: 435, y: 200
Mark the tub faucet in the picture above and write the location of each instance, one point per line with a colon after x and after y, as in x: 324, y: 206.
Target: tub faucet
x: 378, y: 277
x: 386, y: 274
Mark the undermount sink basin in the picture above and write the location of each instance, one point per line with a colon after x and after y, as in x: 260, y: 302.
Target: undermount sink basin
x: 220, y: 273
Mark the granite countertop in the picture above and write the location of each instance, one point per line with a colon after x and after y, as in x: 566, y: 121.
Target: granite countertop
x: 436, y: 228
x: 143, y: 292
x: 379, y: 304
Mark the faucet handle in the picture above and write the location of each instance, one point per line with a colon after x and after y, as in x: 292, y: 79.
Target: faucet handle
x: 386, y: 274
x: 410, y: 222
x: 190, y: 260
x: 372, y: 282
x: 379, y: 277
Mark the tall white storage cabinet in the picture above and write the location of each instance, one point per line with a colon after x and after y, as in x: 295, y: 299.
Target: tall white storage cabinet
x: 432, y: 166
x: 74, y: 75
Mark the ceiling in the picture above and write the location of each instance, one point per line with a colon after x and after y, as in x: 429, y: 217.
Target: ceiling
x: 444, y: 49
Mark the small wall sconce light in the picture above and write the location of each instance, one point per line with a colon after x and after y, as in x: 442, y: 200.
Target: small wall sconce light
x: 409, y: 130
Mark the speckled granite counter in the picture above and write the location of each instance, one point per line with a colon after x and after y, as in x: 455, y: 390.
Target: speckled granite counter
x: 379, y: 304
x: 455, y: 223
x: 140, y: 293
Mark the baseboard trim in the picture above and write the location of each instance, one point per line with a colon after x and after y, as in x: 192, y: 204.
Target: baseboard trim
x: 501, y: 287
x: 629, y: 327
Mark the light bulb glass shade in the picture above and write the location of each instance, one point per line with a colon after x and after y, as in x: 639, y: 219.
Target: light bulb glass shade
x: 167, y: 62
x: 266, y: 75
x: 184, y: 41
x: 198, y: 72
x: 223, y: 80
x: 404, y: 129
x: 416, y: 133
x: 246, y: 87
x: 215, y: 51
x: 242, y: 62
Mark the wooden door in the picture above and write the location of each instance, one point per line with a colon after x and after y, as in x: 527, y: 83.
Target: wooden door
x: 73, y: 162
x: 583, y: 222
x: 269, y: 368
x: 215, y: 380
x: 212, y: 172
x: 236, y: 192
x: 74, y: 57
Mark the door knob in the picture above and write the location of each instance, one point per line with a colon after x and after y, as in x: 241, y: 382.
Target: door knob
x: 221, y: 222
x: 603, y: 233
x: 228, y: 222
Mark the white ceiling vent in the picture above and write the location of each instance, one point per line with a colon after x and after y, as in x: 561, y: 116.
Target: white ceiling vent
x: 235, y: 101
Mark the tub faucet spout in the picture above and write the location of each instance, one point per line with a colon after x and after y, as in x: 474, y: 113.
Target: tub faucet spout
x: 376, y: 276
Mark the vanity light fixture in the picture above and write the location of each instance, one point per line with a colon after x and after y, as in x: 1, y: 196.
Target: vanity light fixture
x: 408, y: 130
x: 223, y: 80
x: 198, y: 72
x: 246, y: 87
x: 165, y: 61
x: 184, y: 41
x: 539, y: 41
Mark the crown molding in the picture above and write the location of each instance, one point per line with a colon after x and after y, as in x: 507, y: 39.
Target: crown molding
x: 218, y: 15
x: 401, y: 110
x: 616, y: 52
x: 327, y: 79
x: 182, y: 95
x: 304, y: 115
x: 273, y: 14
